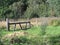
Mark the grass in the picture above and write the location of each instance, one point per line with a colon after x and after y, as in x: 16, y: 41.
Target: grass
x: 52, y: 31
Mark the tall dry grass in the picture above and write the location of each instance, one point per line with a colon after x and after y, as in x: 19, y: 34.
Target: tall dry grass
x: 34, y: 21
x: 2, y: 24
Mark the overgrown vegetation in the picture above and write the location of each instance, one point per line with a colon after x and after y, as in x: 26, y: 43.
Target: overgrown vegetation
x: 29, y: 8
x: 37, y: 35
x: 55, y: 22
x: 33, y: 36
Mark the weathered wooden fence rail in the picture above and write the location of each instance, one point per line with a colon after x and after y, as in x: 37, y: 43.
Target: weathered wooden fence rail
x: 15, y: 23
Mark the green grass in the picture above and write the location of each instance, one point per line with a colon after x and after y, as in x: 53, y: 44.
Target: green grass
x: 53, y: 31
x: 50, y: 30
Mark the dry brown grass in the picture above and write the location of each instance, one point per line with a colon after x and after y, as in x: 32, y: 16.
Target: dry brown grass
x: 39, y: 21
x: 14, y: 34
x: 2, y: 24
x: 34, y: 21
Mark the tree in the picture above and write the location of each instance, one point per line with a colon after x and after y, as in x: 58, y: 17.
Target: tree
x: 18, y: 8
x: 54, y: 6
x: 29, y: 8
x: 38, y: 7
x: 4, y: 8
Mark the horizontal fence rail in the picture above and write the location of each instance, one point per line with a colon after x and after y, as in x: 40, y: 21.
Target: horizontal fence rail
x: 15, y: 23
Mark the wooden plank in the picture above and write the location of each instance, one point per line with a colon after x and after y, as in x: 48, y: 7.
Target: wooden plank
x: 20, y: 26
x: 7, y: 26
x: 29, y: 25
x: 18, y: 23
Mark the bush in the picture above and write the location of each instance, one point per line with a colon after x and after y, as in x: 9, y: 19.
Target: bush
x: 19, y: 41
x: 54, y: 40
x: 55, y: 22
x: 30, y: 39
x: 37, y: 40
x: 1, y: 43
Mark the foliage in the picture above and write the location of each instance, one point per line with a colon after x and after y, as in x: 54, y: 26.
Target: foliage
x: 29, y: 8
x: 51, y: 37
x: 54, y: 7
x: 55, y: 22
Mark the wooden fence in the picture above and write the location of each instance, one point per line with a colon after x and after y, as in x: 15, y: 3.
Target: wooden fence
x: 15, y: 23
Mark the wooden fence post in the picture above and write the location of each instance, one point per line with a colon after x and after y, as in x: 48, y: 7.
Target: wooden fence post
x: 7, y: 24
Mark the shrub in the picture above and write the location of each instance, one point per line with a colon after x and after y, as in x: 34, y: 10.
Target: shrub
x: 20, y: 40
x: 43, y: 28
x: 3, y: 27
x: 55, y: 22
x: 1, y: 43
x: 37, y: 40
x: 54, y: 40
